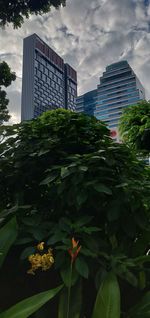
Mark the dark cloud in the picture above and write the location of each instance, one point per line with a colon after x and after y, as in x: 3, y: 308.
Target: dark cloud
x: 88, y: 34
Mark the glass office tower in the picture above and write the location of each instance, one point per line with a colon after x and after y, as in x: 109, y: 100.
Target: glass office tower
x: 48, y: 83
x: 119, y: 87
x: 87, y: 103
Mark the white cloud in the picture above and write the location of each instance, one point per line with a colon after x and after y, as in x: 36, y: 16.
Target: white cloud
x: 88, y: 34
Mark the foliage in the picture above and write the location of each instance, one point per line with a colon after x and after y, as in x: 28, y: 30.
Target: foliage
x: 63, y: 177
x: 6, y: 77
x: 26, y: 307
x: 107, y: 303
x: 15, y: 11
x: 135, y: 126
x: 142, y: 309
x: 8, y: 235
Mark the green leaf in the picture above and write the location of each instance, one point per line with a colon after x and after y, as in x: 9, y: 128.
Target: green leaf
x: 142, y: 279
x: 75, y: 302
x: 28, y: 306
x: 142, y: 309
x: 43, y: 152
x: 82, y: 197
x: 82, y: 267
x: 65, y: 275
x: 57, y: 237
x: 102, y: 188
x: 27, y: 251
x: 24, y: 240
x: 49, y: 179
x: 65, y: 172
x: 82, y: 221
x: 8, y: 234
x: 90, y: 229
x: 83, y: 168
x: 130, y: 277
x: 142, y: 259
x: 107, y: 304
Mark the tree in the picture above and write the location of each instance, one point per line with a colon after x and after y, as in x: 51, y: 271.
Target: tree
x: 62, y: 176
x: 6, y: 78
x: 14, y: 11
x: 135, y: 126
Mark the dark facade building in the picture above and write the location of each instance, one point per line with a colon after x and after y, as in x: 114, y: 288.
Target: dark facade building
x: 87, y: 103
x: 48, y: 83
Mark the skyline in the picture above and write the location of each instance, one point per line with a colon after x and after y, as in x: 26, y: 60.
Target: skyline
x: 90, y: 35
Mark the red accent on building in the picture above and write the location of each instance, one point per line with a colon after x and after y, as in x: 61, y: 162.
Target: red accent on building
x: 71, y: 73
x: 49, y: 53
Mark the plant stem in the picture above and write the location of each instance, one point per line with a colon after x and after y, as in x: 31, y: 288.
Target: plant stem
x: 69, y: 292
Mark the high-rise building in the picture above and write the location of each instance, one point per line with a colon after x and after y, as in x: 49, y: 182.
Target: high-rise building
x: 48, y: 83
x: 87, y: 102
x: 119, y: 87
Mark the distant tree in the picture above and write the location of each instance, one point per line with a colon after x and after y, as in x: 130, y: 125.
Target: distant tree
x: 14, y: 11
x: 134, y: 126
x: 6, y: 77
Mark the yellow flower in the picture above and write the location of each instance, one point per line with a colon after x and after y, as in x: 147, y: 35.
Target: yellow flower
x: 43, y: 261
x: 40, y: 246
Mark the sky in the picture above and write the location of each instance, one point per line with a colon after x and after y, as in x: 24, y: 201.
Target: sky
x: 87, y: 34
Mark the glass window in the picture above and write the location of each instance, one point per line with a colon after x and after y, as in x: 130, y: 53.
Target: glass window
x: 43, y: 77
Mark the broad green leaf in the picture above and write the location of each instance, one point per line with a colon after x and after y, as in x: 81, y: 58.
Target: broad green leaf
x: 83, y: 168
x: 82, y: 267
x: 142, y: 279
x: 142, y: 259
x: 75, y: 302
x: 107, y: 304
x: 142, y: 309
x: 28, y: 306
x: 65, y: 172
x: 49, y: 179
x: 130, y: 277
x: 90, y: 229
x: 27, y: 251
x: 8, y: 234
x: 82, y: 197
x: 24, y: 240
x: 82, y: 221
x: 102, y: 188
x: 67, y: 277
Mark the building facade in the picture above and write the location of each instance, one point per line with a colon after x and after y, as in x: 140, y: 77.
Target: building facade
x: 87, y: 103
x: 48, y: 83
x: 119, y: 87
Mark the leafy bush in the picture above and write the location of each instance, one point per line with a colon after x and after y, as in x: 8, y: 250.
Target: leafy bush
x: 62, y: 176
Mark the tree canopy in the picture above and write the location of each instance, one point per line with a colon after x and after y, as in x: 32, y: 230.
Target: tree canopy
x: 6, y: 78
x: 134, y: 126
x: 65, y: 163
x: 14, y: 11
x: 62, y: 176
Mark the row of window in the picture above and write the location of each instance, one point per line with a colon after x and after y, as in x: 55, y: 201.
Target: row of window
x: 118, y: 103
x: 120, y: 81
x: 120, y: 69
x: 47, y: 64
x: 47, y: 78
x: 113, y: 88
x: 121, y: 97
x: 123, y: 89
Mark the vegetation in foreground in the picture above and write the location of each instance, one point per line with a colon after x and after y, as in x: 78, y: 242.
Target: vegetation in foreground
x: 75, y: 207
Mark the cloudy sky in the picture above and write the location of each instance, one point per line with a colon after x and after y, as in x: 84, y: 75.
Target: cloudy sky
x: 88, y: 34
